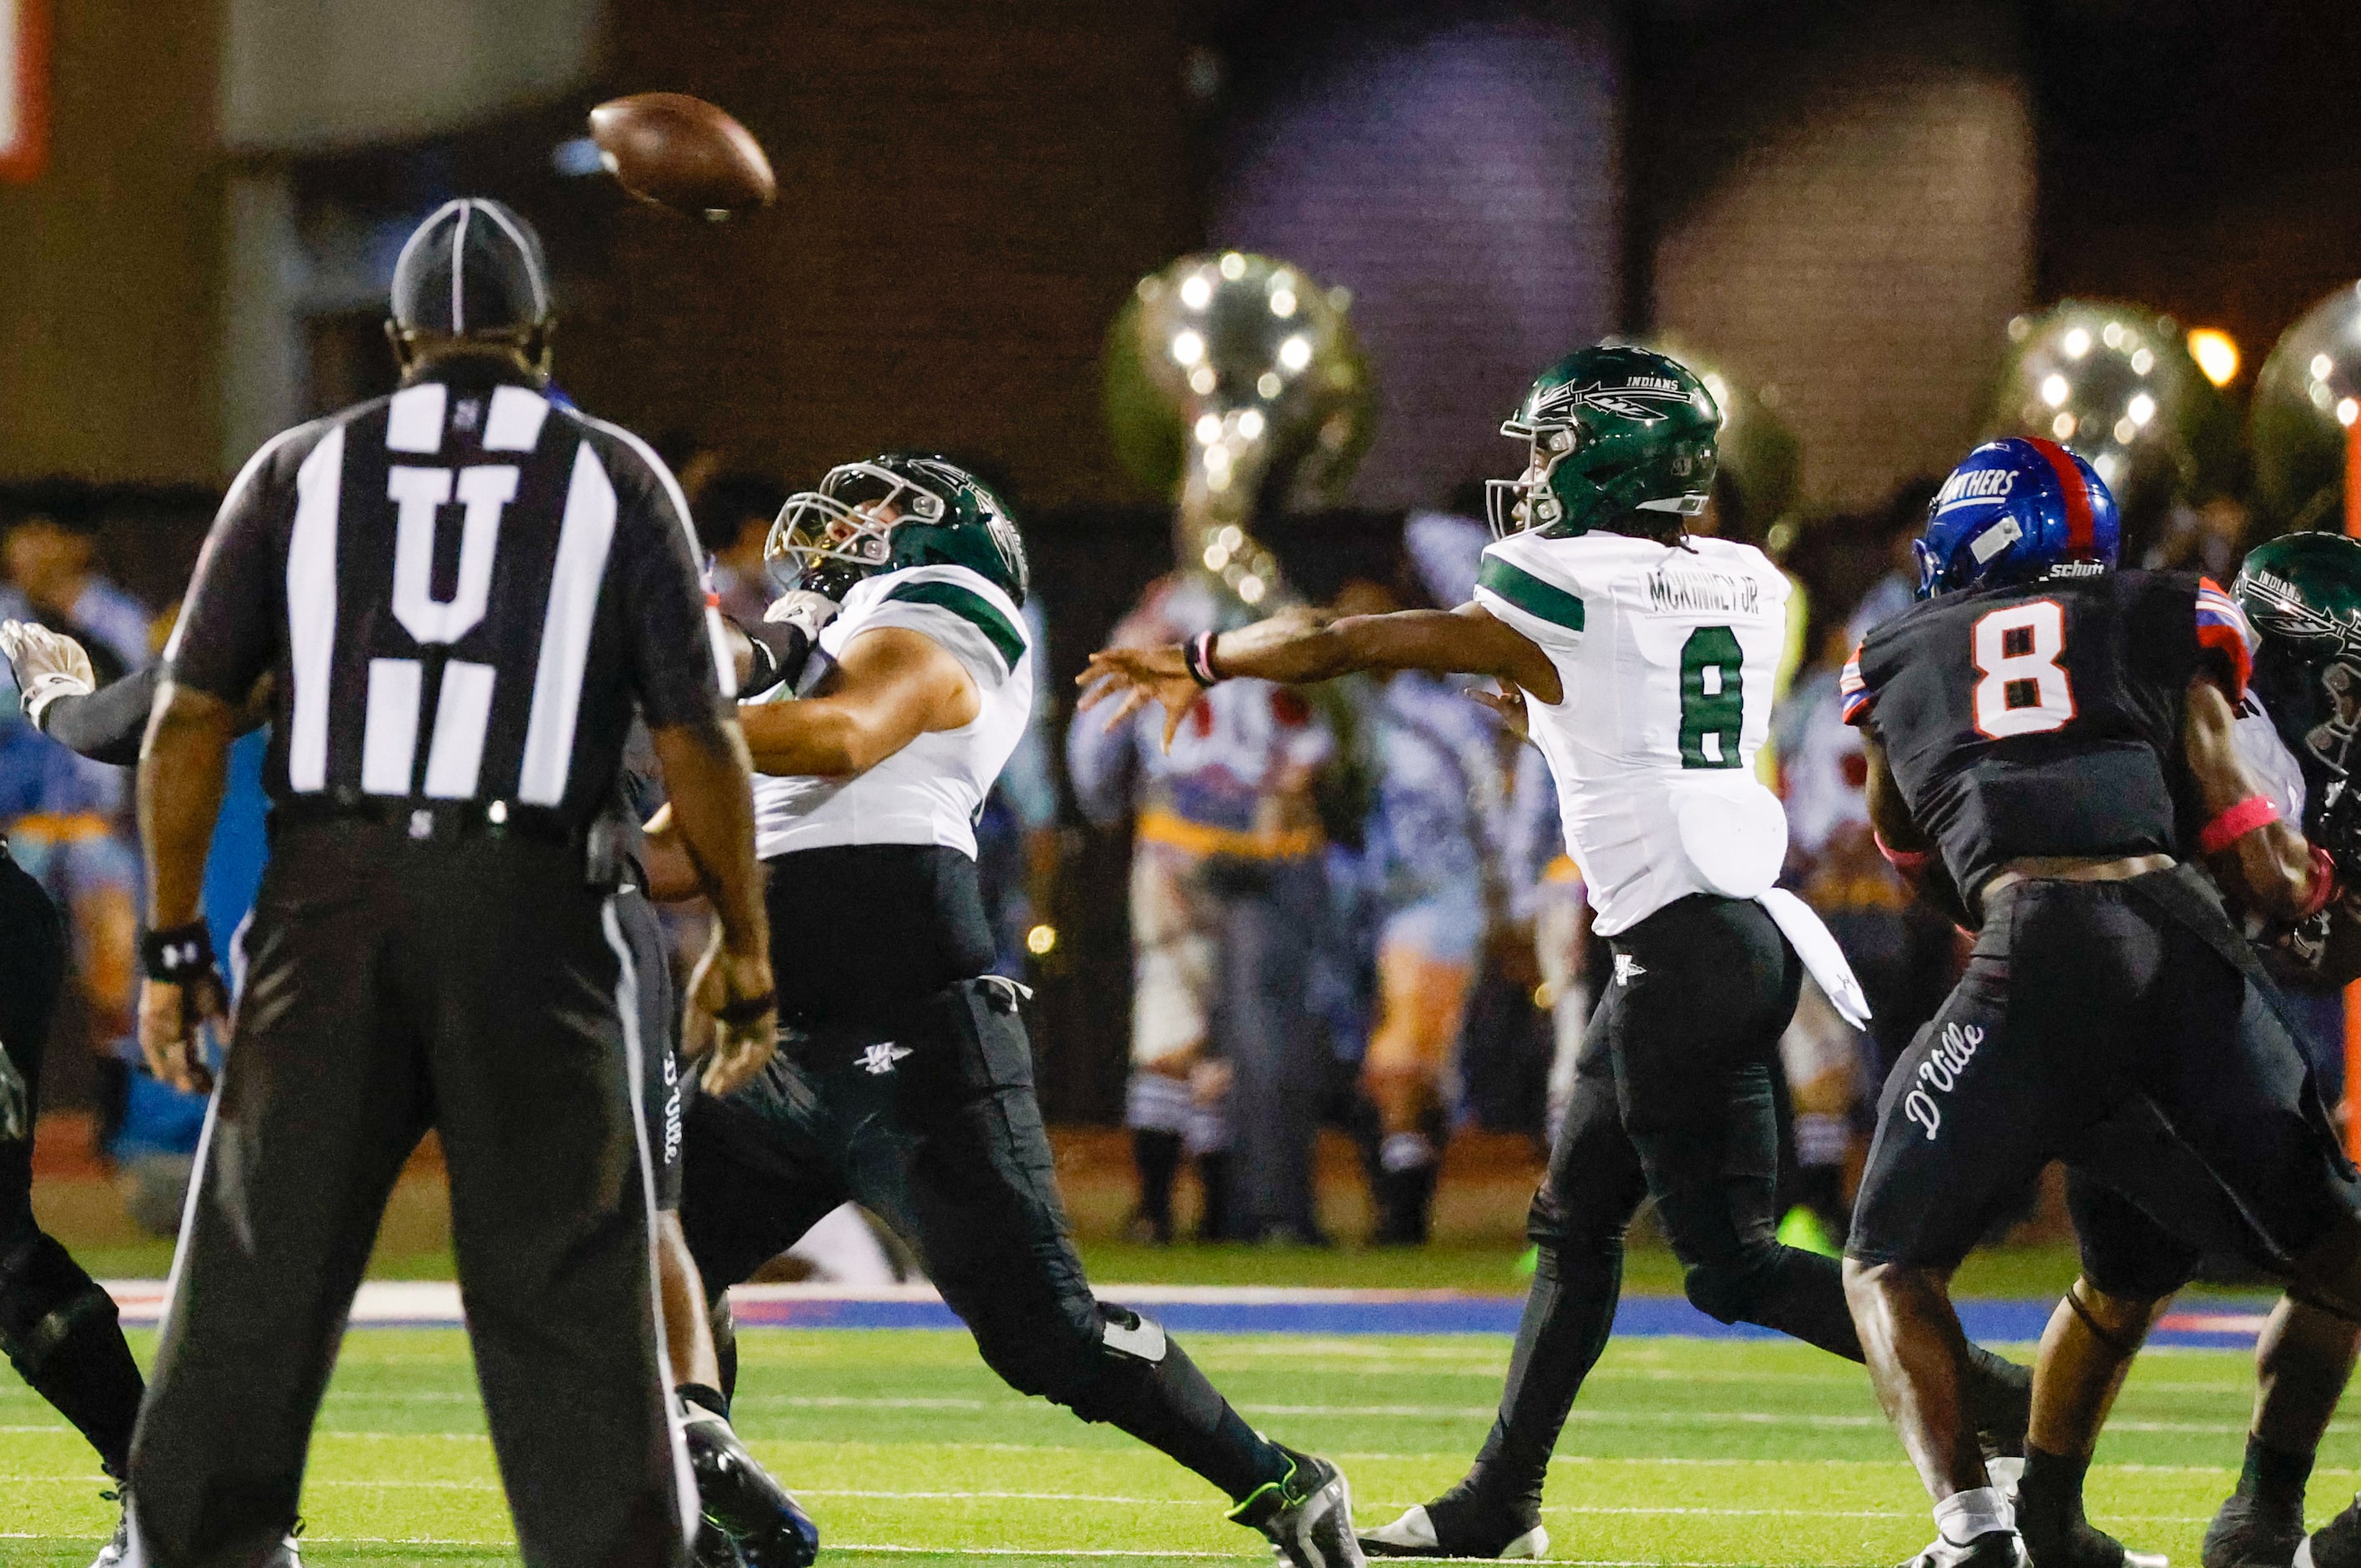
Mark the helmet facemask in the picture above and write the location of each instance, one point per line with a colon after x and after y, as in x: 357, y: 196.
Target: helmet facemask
x: 1512, y: 505
x: 830, y: 537
x: 1539, y: 498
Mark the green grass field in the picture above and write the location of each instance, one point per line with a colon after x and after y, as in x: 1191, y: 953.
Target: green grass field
x: 910, y: 1453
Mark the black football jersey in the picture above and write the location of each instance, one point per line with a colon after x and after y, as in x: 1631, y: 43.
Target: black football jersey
x: 465, y: 590
x: 2045, y: 719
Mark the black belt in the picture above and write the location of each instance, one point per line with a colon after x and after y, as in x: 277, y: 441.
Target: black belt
x: 433, y: 821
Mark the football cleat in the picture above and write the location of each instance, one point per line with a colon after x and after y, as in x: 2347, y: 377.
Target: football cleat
x: 762, y: 1519
x: 114, y: 1553
x: 2337, y: 1544
x: 2246, y: 1534
x: 1415, y: 1535
x: 710, y: 1547
x: 1994, y: 1549
x: 1308, y: 1516
x: 2082, y: 1545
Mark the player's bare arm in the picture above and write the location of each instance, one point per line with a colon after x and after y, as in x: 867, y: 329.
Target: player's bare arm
x: 705, y: 770
x: 1303, y: 646
x: 1909, y: 848
x: 2270, y: 869
x: 184, y: 766
x: 891, y: 685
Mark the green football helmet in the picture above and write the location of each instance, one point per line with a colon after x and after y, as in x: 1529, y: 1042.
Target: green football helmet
x: 1610, y: 434
x: 897, y: 510
x: 2302, y: 592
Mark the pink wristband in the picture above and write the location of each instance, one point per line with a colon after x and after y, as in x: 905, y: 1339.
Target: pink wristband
x: 1909, y: 862
x: 2254, y: 812
x: 2324, y: 882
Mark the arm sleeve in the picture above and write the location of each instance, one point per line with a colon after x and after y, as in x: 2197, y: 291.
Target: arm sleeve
x: 781, y: 650
x: 106, y: 725
x: 231, y: 622
x: 679, y: 670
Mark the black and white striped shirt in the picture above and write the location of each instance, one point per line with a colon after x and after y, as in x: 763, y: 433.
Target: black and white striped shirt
x: 463, y: 589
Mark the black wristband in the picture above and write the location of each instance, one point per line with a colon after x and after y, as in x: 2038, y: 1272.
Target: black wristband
x: 738, y: 1014
x: 177, y: 954
x: 781, y: 651
x: 1197, y: 654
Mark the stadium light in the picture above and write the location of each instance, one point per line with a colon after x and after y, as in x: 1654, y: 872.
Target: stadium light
x: 2216, y: 353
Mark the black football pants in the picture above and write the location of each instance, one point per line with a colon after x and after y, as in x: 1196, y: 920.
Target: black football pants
x: 936, y: 1130
x: 1675, y: 1097
x: 2081, y: 1000
x: 58, y: 1327
x: 483, y: 989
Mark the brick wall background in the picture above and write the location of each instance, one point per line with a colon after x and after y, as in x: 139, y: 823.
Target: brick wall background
x: 1464, y: 180
x: 1837, y: 203
x: 966, y: 193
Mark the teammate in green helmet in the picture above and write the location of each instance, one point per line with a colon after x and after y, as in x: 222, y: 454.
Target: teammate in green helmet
x: 897, y: 510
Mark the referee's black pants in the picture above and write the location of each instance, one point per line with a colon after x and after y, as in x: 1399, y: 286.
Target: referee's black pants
x: 481, y: 988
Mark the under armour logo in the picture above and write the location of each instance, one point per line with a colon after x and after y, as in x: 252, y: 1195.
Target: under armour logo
x: 1628, y: 969
x: 881, y: 1057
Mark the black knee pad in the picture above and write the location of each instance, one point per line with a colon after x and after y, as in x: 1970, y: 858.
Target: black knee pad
x: 2126, y: 1253
x: 44, y: 1297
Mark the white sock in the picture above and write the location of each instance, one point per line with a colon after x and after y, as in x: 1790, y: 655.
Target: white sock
x: 1963, y: 1515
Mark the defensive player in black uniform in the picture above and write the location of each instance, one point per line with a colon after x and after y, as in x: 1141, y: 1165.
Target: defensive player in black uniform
x: 461, y: 594
x: 2300, y: 594
x: 57, y: 1325
x: 2042, y: 735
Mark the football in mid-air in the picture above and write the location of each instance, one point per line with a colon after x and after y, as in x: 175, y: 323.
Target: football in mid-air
x: 682, y: 153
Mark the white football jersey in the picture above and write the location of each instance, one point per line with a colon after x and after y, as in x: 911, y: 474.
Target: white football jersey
x: 1668, y: 655
x: 932, y: 791
x: 2268, y: 761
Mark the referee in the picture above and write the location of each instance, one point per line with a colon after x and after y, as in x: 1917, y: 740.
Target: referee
x: 460, y: 592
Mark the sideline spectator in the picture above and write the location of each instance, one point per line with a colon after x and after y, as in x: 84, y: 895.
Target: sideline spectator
x: 66, y: 816
x: 1227, y: 897
x: 734, y: 512
x: 1432, y: 861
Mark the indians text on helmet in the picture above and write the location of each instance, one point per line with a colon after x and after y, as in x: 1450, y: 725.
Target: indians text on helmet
x: 1640, y: 397
x: 2281, y: 610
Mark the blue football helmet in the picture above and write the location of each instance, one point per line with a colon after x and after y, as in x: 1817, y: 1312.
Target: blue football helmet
x: 2018, y: 508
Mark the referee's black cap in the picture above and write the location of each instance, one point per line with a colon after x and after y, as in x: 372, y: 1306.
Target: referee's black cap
x: 474, y: 268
